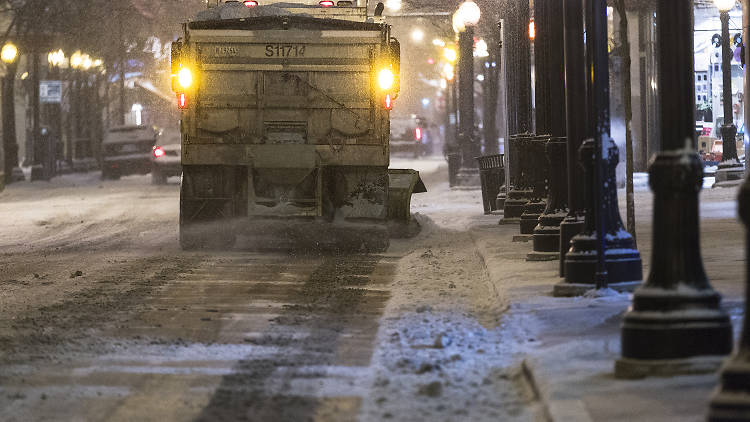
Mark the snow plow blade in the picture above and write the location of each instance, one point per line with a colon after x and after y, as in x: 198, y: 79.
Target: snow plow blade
x: 402, y: 183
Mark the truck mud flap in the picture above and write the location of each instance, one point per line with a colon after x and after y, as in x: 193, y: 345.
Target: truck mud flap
x: 402, y: 184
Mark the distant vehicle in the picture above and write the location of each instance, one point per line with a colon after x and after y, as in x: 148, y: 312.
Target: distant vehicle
x: 128, y: 150
x: 165, y: 158
x: 409, y: 137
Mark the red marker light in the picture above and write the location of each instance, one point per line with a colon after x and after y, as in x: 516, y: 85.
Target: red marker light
x: 388, y: 102
x: 159, y: 152
x: 182, y: 101
x: 418, y: 134
x: 326, y: 3
x: 250, y: 3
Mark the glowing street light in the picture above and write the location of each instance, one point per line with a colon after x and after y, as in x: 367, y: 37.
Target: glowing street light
x: 469, y: 13
x: 76, y: 60
x: 437, y: 42
x: 417, y: 35
x: 9, y: 53
x: 724, y: 5
x: 457, y: 23
x: 448, y: 72
x: 450, y: 54
x: 464, y: 20
x: 87, y: 62
x: 56, y: 58
x: 393, y: 5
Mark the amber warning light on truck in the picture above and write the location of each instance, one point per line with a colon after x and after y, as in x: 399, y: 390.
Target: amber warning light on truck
x: 184, y: 81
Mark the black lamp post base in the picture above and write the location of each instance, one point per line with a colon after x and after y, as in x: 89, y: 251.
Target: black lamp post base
x: 547, y: 233
x: 640, y: 368
x: 675, y: 324
x: 530, y: 217
x: 564, y: 289
x: 623, y: 263
x: 731, y: 401
x: 569, y: 227
x: 514, y: 203
x: 729, y: 174
x: 542, y: 256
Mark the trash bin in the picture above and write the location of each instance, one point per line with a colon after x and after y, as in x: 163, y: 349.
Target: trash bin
x: 492, y: 177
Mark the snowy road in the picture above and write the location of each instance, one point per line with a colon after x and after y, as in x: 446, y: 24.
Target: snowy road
x: 104, y: 318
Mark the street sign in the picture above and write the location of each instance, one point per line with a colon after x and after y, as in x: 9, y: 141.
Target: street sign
x: 50, y: 92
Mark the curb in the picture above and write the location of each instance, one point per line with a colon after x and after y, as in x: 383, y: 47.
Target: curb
x: 554, y: 410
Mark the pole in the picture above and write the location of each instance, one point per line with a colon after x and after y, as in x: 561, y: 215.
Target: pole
x: 575, y: 112
x: 468, y: 175
x: 121, y: 118
x: 729, y: 148
x: 597, y: 26
x: 730, y: 170
x: 13, y: 173
x: 662, y: 325
x: 38, y: 170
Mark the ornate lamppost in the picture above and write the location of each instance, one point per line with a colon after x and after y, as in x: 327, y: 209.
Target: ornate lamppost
x: 575, y: 98
x: 9, y: 56
x: 546, y: 234
x: 676, y: 315
x: 464, y: 20
x: 730, y: 170
x: 603, y: 254
x: 518, y: 106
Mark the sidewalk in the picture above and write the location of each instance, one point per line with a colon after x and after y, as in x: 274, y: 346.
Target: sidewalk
x: 569, y: 345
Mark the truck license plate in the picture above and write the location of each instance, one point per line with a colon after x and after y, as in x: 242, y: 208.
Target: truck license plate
x: 285, y: 50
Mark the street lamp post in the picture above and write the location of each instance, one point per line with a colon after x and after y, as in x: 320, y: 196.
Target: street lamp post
x: 575, y: 98
x: 546, y: 234
x: 730, y: 170
x: 518, y: 107
x: 603, y: 254
x: 465, y: 18
x: 676, y: 315
x: 9, y: 56
x: 451, y: 147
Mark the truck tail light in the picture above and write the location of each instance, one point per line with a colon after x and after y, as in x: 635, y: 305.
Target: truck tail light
x: 182, y: 101
x: 326, y: 3
x: 388, y: 102
x: 250, y: 3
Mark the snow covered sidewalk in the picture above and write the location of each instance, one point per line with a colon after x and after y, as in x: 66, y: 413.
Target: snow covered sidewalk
x: 569, y: 345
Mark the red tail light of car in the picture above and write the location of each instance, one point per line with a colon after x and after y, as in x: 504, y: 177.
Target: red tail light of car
x: 159, y: 152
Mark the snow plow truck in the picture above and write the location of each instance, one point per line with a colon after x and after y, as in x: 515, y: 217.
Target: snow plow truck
x: 285, y: 126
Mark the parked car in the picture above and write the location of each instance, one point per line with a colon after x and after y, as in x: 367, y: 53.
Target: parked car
x: 128, y: 150
x: 166, y: 160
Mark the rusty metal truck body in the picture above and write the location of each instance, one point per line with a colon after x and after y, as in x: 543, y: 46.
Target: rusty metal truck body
x: 284, y: 120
